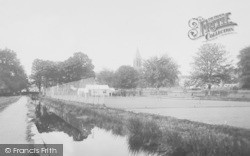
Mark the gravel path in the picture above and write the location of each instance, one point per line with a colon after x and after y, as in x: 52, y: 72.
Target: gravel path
x: 13, y: 123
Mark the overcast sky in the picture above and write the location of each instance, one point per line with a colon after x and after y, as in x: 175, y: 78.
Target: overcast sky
x: 109, y: 31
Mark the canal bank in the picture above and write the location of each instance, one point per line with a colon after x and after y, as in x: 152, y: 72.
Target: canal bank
x: 78, y: 136
x: 155, y: 134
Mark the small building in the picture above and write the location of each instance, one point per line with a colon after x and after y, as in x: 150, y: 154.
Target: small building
x: 99, y: 90
x: 95, y: 90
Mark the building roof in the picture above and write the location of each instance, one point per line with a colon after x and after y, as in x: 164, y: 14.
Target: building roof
x: 102, y: 87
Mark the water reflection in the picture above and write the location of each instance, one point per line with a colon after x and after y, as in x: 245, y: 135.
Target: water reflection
x: 99, y: 143
x: 49, y: 122
x: 95, y: 136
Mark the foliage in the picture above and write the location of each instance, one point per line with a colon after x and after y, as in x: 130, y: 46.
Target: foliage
x: 211, y: 65
x: 142, y: 83
x: 12, y: 74
x: 77, y: 67
x: 160, y: 72
x: 106, y: 77
x: 144, y: 135
x: 244, y: 67
x: 44, y: 72
x: 48, y: 73
x: 126, y: 77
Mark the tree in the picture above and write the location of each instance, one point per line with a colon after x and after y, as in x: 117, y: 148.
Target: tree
x: 211, y: 66
x: 160, y: 72
x: 44, y: 73
x: 77, y: 67
x: 142, y: 83
x: 106, y: 77
x: 126, y: 77
x: 48, y: 73
x: 244, y: 67
x: 12, y: 73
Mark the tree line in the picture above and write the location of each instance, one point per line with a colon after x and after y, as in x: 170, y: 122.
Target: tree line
x: 48, y: 73
x: 211, y: 65
x: 156, y: 72
x: 13, y: 78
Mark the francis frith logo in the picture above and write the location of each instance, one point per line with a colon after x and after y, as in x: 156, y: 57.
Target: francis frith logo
x: 212, y: 27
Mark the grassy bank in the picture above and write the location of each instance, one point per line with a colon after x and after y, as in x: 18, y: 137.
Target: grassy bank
x: 159, y: 134
x: 214, y: 98
x: 6, y: 101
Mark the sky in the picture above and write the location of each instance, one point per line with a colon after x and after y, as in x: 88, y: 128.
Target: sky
x: 110, y: 31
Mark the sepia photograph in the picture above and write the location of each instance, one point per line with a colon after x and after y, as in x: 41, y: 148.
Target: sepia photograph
x: 124, y: 78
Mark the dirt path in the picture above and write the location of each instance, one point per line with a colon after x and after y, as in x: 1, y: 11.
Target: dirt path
x: 13, y: 123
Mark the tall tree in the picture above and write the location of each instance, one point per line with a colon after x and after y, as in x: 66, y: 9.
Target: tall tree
x: 244, y: 67
x: 12, y: 73
x: 44, y: 73
x: 160, y: 72
x: 106, y: 77
x: 126, y: 77
x: 142, y: 83
x: 77, y: 67
x: 48, y: 73
x: 211, y: 65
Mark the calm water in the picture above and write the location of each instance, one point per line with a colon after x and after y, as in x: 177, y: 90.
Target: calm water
x: 99, y: 143
x: 83, y: 137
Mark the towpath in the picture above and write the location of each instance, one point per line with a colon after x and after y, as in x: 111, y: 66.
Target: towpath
x: 13, y: 123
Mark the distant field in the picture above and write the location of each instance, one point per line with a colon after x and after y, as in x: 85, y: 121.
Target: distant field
x: 6, y: 101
